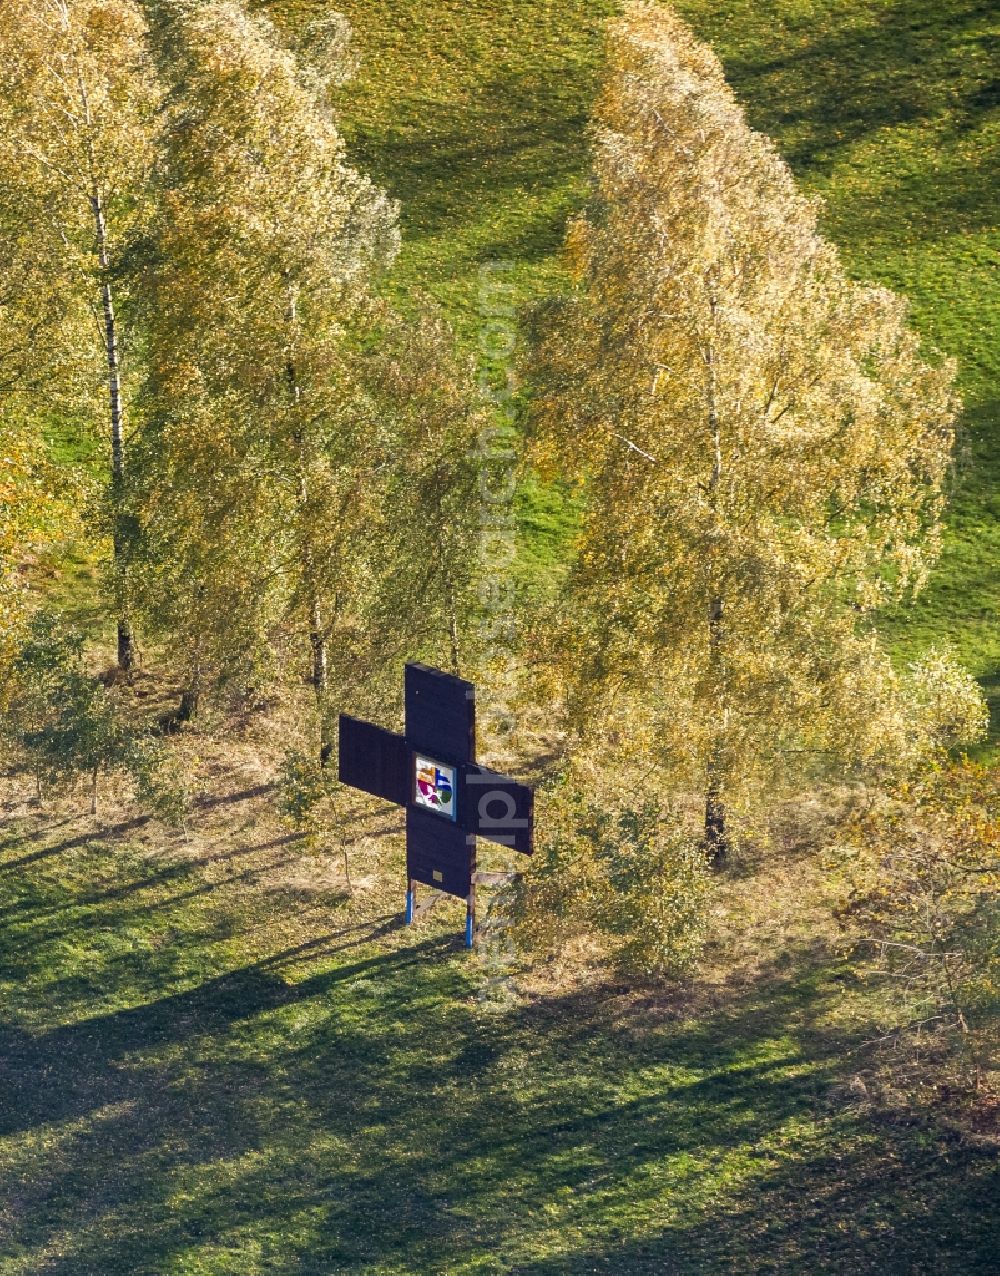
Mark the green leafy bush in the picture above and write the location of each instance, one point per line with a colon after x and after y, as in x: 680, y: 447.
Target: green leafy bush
x: 921, y: 914
x: 309, y: 796
x: 304, y: 787
x: 64, y: 724
x: 633, y: 880
x: 947, y: 706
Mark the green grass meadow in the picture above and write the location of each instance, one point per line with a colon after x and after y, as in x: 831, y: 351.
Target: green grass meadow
x: 216, y: 1062
x: 207, y: 1067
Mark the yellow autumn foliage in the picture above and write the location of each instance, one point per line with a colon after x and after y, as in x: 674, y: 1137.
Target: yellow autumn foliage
x: 760, y: 443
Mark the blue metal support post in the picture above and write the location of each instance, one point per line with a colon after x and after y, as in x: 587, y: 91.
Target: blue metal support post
x: 470, y: 919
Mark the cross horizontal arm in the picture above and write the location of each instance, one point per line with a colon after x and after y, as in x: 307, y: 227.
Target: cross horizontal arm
x: 498, y: 808
x: 374, y: 760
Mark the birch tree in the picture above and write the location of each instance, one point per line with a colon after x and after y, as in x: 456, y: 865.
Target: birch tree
x: 266, y: 449
x: 761, y: 443
x: 76, y: 127
x: 428, y: 566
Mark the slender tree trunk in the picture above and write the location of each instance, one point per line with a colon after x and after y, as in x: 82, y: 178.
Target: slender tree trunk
x: 317, y: 630
x: 317, y: 641
x: 453, y: 628
x: 93, y: 790
x: 191, y: 695
x: 716, y: 832
x: 126, y: 639
x: 716, y: 835
x: 320, y: 670
x: 320, y: 679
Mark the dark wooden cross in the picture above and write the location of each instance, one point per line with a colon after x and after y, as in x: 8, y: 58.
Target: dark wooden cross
x: 431, y: 770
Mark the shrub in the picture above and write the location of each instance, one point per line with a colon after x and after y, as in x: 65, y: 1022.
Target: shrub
x: 308, y: 796
x: 631, y: 879
x: 64, y: 723
x: 921, y: 911
x: 655, y: 889
x: 946, y: 703
x: 304, y: 787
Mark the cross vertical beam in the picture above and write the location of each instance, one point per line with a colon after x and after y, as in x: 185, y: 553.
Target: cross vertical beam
x: 450, y: 800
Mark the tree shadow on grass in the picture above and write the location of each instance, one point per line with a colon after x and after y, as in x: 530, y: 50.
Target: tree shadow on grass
x: 175, y: 872
x: 69, y: 1071
x: 484, y: 162
x: 831, y: 83
x: 504, y: 154
x: 140, y: 932
x: 887, y: 1207
x: 363, y: 1116
x: 112, y: 831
